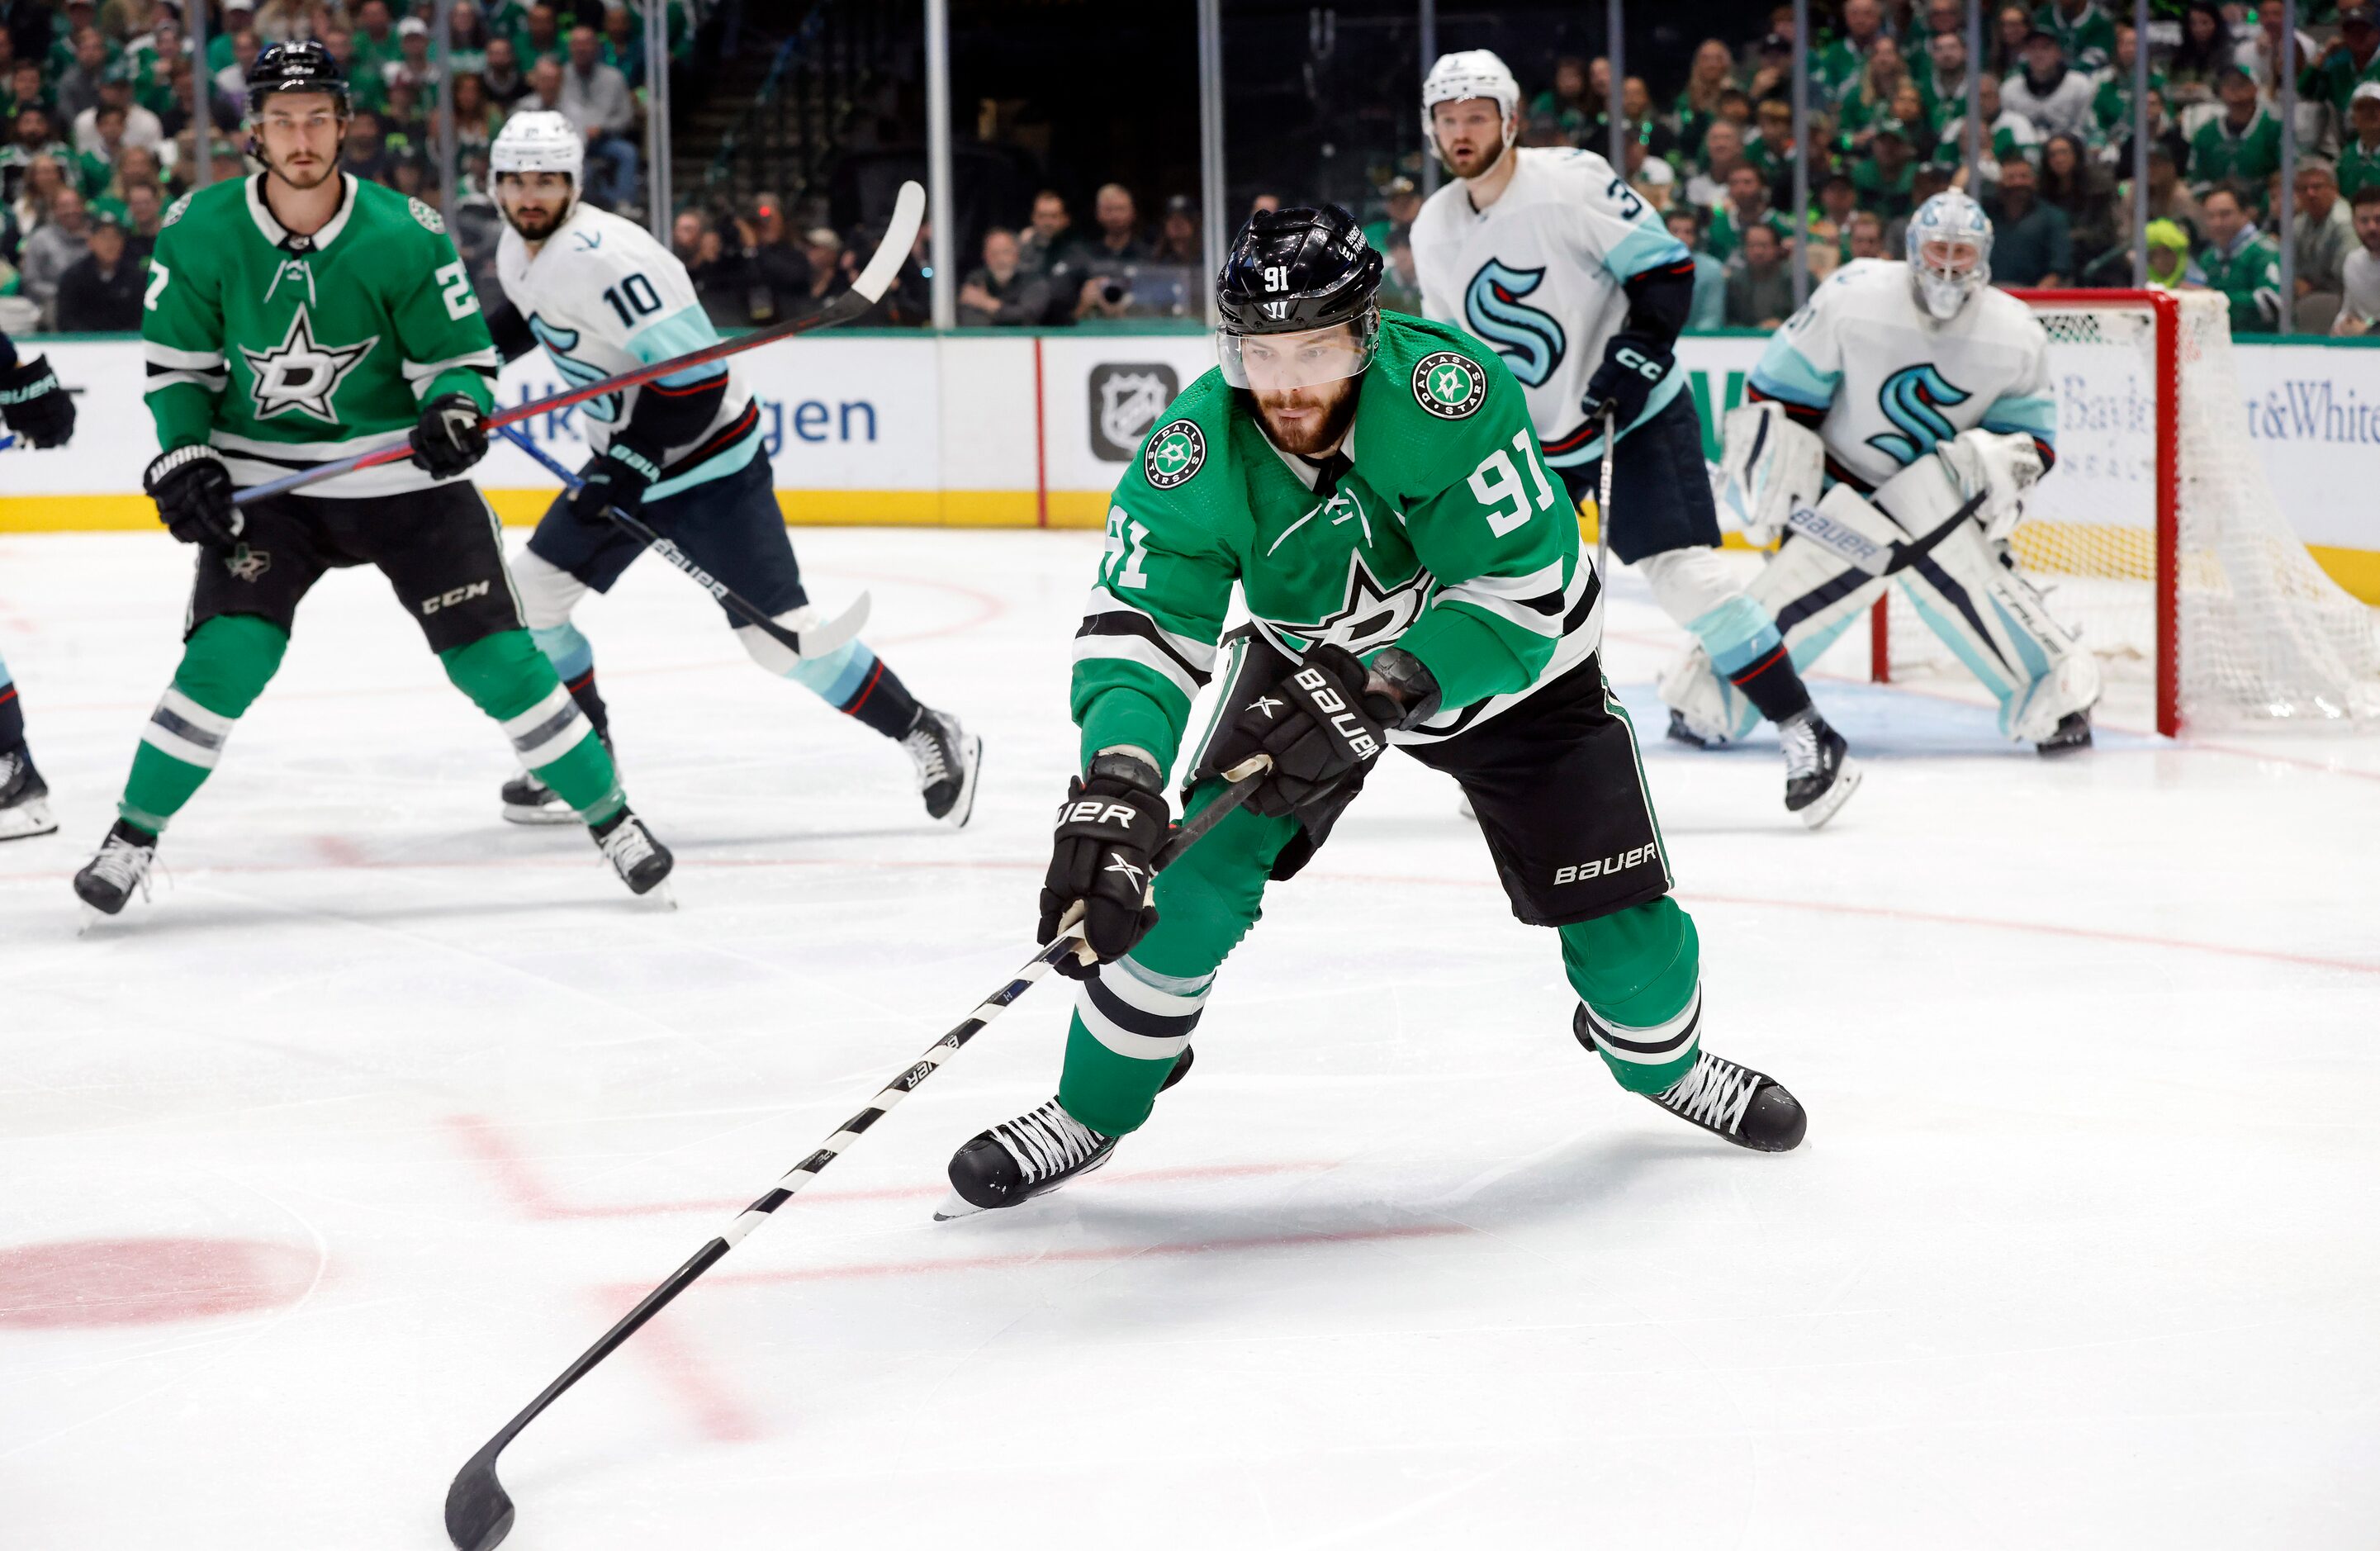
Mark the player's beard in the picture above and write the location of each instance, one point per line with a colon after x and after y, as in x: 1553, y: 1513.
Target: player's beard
x: 313, y: 177
x: 1475, y: 163
x: 549, y: 222
x: 1319, y: 434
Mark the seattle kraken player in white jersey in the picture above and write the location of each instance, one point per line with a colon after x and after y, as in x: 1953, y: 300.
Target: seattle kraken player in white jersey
x: 1923, y: 398
x: 1551, y: 259
x: 36, y: 410
x: 684, y: 451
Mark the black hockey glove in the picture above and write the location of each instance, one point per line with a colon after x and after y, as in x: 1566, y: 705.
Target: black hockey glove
x: 1634, y: 365
x: 449, y: 438
x: 1319, y: 727
x: 1108, y: 831
x: 193, y: 491
x: 33, y: 403
x: 616, y: 476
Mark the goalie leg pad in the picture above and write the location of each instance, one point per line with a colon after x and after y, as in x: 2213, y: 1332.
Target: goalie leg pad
x: 1998, y: 624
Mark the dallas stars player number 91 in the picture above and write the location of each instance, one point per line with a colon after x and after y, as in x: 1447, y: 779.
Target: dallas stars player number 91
x: 1372, y: 487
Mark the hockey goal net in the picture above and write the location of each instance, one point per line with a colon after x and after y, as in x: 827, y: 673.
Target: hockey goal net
x: 2157, y: 537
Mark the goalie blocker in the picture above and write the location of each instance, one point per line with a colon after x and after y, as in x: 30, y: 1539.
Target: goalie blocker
x: 1939, y: 529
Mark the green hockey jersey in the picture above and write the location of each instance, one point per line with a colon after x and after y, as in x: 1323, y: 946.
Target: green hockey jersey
x: 287, y: 351
x: 1437, y: 529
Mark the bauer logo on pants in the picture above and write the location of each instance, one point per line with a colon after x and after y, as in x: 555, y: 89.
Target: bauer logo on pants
x: 1126, y: 398
x: 1448, y: 385
x: 1176, y: 451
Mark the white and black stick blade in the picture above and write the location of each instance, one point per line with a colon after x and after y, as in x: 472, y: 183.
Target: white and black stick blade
x: 824, y: 640
x: 478, y: 1513
x: 900, y: 234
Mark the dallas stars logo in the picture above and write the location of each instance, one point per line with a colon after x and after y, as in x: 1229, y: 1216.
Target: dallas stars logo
x: 1448, y: 385
x: 301, y: 375
x: 1372, y: 616
x: 1176, y: 451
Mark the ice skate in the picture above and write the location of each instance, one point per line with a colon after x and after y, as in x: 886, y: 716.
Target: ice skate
x: 1682, y: 732
x: 1747, y: 1108
x: 24, y: 799
x: 642, y: 862
x: 530, y: 801
x: 120, y: 866
x: 1820, y: 774
x: 1021, y: 1158
x: 2072, y: 735
x: 947, y: 756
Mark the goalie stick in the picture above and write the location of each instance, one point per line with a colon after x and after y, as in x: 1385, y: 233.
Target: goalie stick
x: 908, y: 209
x: 478, y: 1513
x: 816, y: 641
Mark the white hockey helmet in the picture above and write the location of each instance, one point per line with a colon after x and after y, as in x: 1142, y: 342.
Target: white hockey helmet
x: 1949, y: 247
x: 1458, y: 78
x: 538, y: 141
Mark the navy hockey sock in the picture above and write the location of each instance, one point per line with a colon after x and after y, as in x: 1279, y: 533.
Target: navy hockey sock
x: 591, y: 700
x: 883, y: 702
x: 12, y: 716
x: 1772, y: 685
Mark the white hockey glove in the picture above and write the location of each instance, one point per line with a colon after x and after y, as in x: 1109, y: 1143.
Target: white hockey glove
x: 1768, y: 468
x: 1998, y: 466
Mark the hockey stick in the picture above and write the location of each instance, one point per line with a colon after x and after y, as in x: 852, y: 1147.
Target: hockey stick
x: 816, y: 641
x: 1603, y: 497
x: 908, y: 209
x: 478, y: 1513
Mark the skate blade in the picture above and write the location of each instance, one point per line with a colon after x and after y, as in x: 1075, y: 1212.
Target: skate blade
x: 1847, y: 780
x: 535, y: 817
x: 954, y: 1205
x: 660, y: 896
x: 27, y: 820
x: 92, y: 917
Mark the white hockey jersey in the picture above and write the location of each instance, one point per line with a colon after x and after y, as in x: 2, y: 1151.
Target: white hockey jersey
x: 603, y: 298
x: 1538, y: 276
x: 1892, y: 382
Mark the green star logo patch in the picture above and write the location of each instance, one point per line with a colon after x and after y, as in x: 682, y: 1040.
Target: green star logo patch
x: 1176, y: 451
x: 1448, y: 385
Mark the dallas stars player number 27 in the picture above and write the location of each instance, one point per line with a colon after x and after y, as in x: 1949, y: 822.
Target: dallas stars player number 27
x: 291, y: 319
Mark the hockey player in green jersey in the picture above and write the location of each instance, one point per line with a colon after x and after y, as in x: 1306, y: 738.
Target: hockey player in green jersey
x: 292, y: 319
x: 1413, y: 576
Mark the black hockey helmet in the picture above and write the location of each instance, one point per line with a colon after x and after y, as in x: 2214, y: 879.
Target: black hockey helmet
x: 300, y: 64
x: 1299, y: 271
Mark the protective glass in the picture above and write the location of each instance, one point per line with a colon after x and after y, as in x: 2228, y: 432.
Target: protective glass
x: 1275, y: 363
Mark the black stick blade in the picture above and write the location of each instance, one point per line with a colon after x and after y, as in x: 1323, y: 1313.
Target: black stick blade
x: 478, y: 1514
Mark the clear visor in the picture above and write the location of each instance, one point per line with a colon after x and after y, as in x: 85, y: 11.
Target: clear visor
x: 1277, y: 363
x: 1950, y: 259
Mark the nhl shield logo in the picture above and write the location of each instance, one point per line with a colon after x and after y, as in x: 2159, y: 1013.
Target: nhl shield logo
x: 1176, y: 451
x: 1448, y: 385
x: 1126, y: 399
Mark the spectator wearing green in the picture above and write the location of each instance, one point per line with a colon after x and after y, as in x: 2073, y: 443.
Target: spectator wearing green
x: 1567, y: 112
x: 2241, y: 145
x: 1709, y: 309
x: 1886, y: 178
x: 1936, y: 18
x: 2006, y: 134
x: 1747, y: 206
x: 1837, y: 201
x: 2241, y: 263
x: 1879, y: 84
x: 2358, y: 157
x: 1836, y: 68
x: 2032, y: 240
x: 1712, y: 75
x: 1942, y: 83
x: 2111, y: 105
x: 1771, y: 148
x: 2086, y: 34
x: 237, y: 17
x: 2351, y: 59
x: 376, y: 44
x: 539, y: 37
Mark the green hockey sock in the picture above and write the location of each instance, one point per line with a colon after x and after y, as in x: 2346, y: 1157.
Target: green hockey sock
x: 224, y: 667
x: 507, y: 677
x: 1136, y: 1016
x: 1639, y: 972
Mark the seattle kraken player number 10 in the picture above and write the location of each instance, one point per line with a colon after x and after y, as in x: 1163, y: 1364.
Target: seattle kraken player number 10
x: 683, y: 452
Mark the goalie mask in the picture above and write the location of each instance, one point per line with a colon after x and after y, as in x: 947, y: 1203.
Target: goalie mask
x: 1949, y: 250
x: 538, y: 142
x: 1298, y: 296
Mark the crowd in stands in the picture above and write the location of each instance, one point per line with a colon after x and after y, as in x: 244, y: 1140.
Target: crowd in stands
x: 106, y: 114
x: 101, y: 112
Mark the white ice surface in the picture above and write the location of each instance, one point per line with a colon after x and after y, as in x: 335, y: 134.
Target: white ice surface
x: 2084, y: 1249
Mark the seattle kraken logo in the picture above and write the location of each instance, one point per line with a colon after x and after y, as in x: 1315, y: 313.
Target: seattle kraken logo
x: 1530, y: 341
x: 1913, y: 399
x: 559, y: 342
